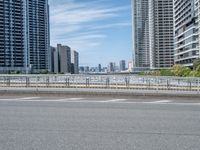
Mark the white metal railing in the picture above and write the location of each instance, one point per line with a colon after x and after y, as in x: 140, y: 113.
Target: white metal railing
x: 101, y: 81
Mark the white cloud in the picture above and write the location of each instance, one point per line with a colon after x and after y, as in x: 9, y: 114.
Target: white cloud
x: 78, y: 23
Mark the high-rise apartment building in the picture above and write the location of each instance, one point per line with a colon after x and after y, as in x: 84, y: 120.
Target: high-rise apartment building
x: 54, y: 60
x: 24, y: 35
x: 75, y: 62
x: 12, y: 36
x: 64, y: 56
x: 38, y: 34
x: 161, y: 34
x: 140, y: 15
x: 153, y: 34
x: 122, y: 65
x: 99, y: 68
x: 186, y: 24
x: 111, y: 67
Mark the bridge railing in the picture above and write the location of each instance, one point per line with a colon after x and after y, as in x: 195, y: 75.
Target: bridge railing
x: 101, y: 81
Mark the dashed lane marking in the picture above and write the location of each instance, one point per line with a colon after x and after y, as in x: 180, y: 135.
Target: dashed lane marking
x: 161, y: 101
x: 29, y: 98
x: 116, y: 100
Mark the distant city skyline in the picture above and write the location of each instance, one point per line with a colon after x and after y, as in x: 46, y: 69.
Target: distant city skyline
x: 100, y: 30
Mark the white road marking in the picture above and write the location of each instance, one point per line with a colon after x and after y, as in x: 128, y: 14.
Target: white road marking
x: 116, y: 100
x: 28, y: 98
x: 70, y: 99
x: 161, y: 101
x: 76, y: 98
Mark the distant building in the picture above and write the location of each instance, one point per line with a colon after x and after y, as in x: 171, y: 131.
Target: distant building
x: 81, y: 69
x: 111, y: 67
x: 74, y: 62
x: 104, y: 69
x: 99, y: 68
x: 52, y: 51
x: 64, y: 54
x: 130, y: 66
x: 63, y: 60
x: 94, y: 69
x: 122, y: 65
x: 86, y: 69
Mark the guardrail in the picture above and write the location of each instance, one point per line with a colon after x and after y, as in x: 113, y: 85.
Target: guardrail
x: 101, y: 81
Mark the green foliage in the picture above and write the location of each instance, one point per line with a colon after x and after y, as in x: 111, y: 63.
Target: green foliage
x: 186, y: 71
x: 142, y: 73
x: 166, y: 72
x: 177, y: 70
x: 197, y: 68
x: 44, y: 72
x: 181, y: 71
x: 196, y: 64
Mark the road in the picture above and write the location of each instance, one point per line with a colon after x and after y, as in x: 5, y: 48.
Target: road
x: 76, y: 123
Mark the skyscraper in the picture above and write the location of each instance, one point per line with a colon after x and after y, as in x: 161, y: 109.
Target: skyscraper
x: 38, y: 34
x: 161, y: 31
x: 75, y: 62
x: 111, y: 67
x: 186, y: 19
x: 140, y: 11
x: 24, y: 35
x: 122, y: 65
x: 12, y: 36
x: 99, y: 68
x: 64, y: 56
x: 153, y: 34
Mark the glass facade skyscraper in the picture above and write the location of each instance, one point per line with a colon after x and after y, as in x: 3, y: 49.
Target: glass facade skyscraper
x: 141, y: 33
x: 38, y: 33
x: 186, y: 19
x: 24, y: 35
x: 12, y: 36
x: 161, y: 30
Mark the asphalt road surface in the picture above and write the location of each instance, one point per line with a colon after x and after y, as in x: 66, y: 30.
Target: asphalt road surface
x: 42, y: 123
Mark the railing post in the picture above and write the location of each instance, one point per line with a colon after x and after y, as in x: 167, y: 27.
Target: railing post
x: 149, y: 84
x: 37, y: 80
x: 67, y: 82
x: 157, y: 84
x: 107, y: 82
x: 168, y: 85
x: 190, y: 85
x: 8, y: 81
x: 47, y: 81
x: 27, y: 81
x: 87, y: 82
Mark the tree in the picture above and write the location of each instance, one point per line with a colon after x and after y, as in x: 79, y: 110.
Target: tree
x: 166, y: 72
x: 177, y: 70
x: 198, y: 68
x: 181, y: 71
x: 196, y: 64
x: 186, y: 71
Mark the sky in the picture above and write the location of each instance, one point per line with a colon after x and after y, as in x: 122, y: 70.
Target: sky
x: 100, y: 30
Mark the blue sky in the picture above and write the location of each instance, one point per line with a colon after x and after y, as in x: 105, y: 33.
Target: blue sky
x: 100, y: 30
